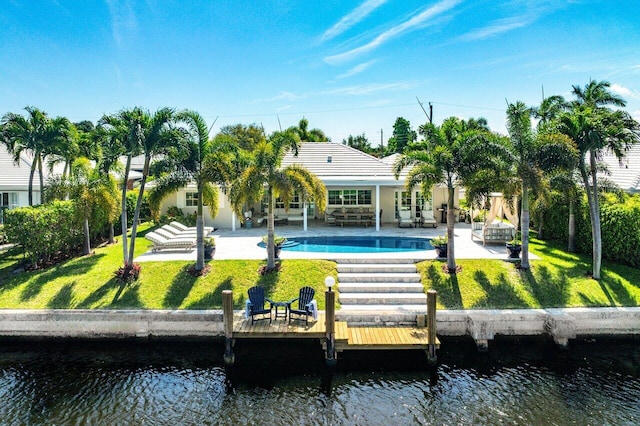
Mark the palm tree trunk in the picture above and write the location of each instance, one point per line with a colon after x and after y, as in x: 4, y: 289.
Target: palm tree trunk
x: 111, y: 233
x: 32, y: 172
x: 524, y: 227
x: 123, y: 214
x: 572, y: 227
x: 41, y: 179
x: 199, y: 232
x: 85, y: 228
x: 136, y: 214
x: 271, y: 263
x: 592, y: 215
x: 597, y: 232
x: 451, y: 256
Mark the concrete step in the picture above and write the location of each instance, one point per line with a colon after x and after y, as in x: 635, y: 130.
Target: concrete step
x: 374, y: 261
x: 382, y: 299
x: 380, y: 287
x: 380, y: 267
x: 352, y: 277
x: 354, y: 309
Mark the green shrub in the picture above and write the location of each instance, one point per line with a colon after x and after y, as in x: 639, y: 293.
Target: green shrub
x: 45, y: 231
x: 132, y: 199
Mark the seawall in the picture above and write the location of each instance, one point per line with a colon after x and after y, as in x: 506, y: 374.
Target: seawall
x: 482, y: 325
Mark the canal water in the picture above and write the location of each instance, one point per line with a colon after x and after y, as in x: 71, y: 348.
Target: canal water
x: 519, y: 382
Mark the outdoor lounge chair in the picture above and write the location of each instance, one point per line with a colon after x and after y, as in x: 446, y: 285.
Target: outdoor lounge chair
x: 178, y: 233
x: 162, y: 243
x: 404, y: 219
x: 180, y: 226
x: 305, y: 297
x: 168, y: 235
x: 427, y: 219
x: 256, y: 305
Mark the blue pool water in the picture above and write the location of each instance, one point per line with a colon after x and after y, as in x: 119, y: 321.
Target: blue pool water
x: 343, y: 244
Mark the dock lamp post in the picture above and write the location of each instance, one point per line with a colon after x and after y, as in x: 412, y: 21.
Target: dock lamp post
x: 330, y: 321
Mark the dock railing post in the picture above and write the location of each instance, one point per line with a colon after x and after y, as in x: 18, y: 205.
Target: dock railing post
x: 227, y: 316
x: 431, y: 325
x: 330, y: 321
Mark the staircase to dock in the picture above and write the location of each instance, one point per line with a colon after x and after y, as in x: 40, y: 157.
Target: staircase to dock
x: 380, y: 285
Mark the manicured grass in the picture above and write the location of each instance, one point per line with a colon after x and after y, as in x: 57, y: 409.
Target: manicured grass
x: 559, y: 279
x: 89, y: 283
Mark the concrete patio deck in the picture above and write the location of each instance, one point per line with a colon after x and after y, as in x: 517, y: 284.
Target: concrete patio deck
x: 243, y: 243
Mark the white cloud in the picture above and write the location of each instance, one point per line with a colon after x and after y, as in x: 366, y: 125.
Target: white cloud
x: 123, y: 19
x: 636, y: 115
x: 419, y: 19
x: 352, y: 18
x: 357, y: 69
x: 497, y: 27
x: 625, y: 91
x: 355, y: 90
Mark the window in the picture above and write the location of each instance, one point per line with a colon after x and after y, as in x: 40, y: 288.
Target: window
x: 8, y: 200
x: 295, y: 202
x: 350, y: 197
x: 279, y: 203
x: 191, y: 199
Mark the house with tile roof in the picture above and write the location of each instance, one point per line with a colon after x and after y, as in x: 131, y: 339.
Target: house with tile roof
x: 14, y: 182
x: 625, y: 173
x: 355, y: 181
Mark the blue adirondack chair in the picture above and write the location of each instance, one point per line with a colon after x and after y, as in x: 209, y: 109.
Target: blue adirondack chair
x: 304, y: 305
x: 257, y: 302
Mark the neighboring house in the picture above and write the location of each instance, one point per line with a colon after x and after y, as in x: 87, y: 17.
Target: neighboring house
x: 354, y: 180
x: 625, y: 174
x: 14, y: 182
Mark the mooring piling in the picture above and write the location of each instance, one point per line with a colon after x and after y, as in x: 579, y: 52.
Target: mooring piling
x: 227, y: 316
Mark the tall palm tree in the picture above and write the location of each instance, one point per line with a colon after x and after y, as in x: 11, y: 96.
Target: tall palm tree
x: 264, y: 174
x: 121, y: 137
x: 532, y: 155
x: 207, y: 163
x: 37, y: 134
x: 595, y: 128
x: 451, y: 155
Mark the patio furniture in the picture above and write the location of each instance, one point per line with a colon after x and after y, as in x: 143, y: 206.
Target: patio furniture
x: 404, y: 219
x: 256, y: 305
x: 163, y: 243
x: 427, y: 219
x: 182, y: 227
x: 305, y: 299
x: 168, y: 235
x: 178, y: 233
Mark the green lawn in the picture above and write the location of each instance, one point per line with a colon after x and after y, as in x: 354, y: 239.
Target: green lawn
x: 558, y: 280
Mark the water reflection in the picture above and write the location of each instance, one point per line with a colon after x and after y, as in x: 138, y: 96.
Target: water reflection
x: 517, y: 382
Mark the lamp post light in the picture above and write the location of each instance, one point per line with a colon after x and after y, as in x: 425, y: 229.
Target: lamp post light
x: 329, y: 282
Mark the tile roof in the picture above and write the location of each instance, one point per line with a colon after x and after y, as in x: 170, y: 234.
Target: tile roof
x: 335, y: 163
x: 625, y: 174
x: 15, y: 177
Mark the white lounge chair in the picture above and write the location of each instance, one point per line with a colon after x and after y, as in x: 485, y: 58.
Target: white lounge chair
x: 180, y: 226
x: 162, y: 243
x: 427, y: 219
x: 405, y: 219
x: 169, y: 236
x: 178, y: 233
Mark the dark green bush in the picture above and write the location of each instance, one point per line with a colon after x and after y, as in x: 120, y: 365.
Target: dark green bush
x: 132, y: 199
x: 45, y: 232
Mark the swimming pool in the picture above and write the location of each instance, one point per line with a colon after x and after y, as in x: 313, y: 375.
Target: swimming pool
x: 343, y: 244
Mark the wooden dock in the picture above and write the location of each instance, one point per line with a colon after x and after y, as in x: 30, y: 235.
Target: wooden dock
x: 347, y: 337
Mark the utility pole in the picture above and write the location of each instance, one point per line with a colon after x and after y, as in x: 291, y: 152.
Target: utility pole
x: 430, y: 114
x: 381, y: 143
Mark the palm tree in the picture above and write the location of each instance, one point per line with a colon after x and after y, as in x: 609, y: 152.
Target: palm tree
x: 532, y: 155
x: 208, y: 163
x: 36, y: 134
x: 263, y: 174
x: 120, y: 137
x: 595, y: 128
x: 306, y: 135
x: 451, y: 154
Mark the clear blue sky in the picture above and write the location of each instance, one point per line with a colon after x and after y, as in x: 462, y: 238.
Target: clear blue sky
x: 349, y: 67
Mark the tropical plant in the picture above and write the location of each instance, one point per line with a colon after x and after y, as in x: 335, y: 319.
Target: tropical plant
x: 452, y: 155
x: 277, y: 240
x: 402, y: 136
x: 306, y: 135
x: 263, y: 174
x: 595, y: 128
x: 360, y: 142
x: 37, y: 135
x: 207, y: 163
